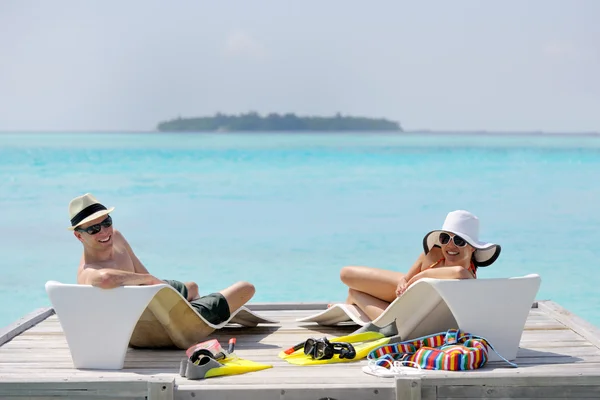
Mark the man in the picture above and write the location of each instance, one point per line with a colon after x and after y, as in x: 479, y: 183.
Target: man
x: 108, y: 262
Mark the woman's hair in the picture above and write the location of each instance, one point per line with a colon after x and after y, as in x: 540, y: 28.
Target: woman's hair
x: 474, y: 261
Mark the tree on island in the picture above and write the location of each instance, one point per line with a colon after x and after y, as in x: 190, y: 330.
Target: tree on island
x: 252, y: 121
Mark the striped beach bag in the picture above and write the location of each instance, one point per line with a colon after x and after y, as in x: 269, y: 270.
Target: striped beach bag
x: 450, y: 351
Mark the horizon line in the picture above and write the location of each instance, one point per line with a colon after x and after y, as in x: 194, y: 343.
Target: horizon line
x: 399, y: 132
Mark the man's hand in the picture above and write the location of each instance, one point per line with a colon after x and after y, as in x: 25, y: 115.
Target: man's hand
x: 152, y: 280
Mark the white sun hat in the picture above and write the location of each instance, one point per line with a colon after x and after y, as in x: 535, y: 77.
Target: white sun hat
x: 465, y: 225
x: 84, y: 209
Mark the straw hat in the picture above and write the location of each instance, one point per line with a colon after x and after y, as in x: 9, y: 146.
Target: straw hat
x: 84, y: 209
x: 465, y: 225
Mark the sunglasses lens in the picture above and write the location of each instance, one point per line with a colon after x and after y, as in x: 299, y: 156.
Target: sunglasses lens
x: 107, y: 223
x: 92, y: 230
x: 460, y: 242
x: 444, y: 238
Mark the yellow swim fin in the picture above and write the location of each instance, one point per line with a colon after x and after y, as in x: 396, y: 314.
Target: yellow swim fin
x: 362, y: 342
x: 353, y: 338
x: 235, y: 366
x: 208, y: 367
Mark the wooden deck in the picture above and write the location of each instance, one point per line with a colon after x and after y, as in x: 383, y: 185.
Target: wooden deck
x: 559, y: 358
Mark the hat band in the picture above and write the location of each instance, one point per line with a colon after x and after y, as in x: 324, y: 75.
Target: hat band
x: 86, y: 212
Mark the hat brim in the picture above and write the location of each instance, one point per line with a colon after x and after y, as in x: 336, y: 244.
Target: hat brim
x: 92, y: 217
x: 485, y: 253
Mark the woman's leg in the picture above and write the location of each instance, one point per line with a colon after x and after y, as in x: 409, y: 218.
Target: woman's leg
x: 370, y: 305
x: 379, y: 283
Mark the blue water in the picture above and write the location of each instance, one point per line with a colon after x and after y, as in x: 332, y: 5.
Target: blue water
x: 287, y: 211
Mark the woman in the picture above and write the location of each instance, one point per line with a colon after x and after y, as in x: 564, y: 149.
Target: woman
x: 454, y: 252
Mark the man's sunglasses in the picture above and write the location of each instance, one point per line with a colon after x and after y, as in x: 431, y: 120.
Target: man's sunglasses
x: 458, y: 241
x: 92, y: 230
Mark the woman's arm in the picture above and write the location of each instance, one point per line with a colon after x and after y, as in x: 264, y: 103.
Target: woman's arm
x: 416, y: 267
x: 413, y: 271
x: 454, y: 272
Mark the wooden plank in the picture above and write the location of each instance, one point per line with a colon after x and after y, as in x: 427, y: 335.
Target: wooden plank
x: 161, y: 388
x: 543, y: 392
x: 577, y: 324
x: 478, y: 398
x: 505, y: 378
x: 43, y: 376
x: 284, y: 375
x: 564, y: 350
x: 24, y: 323
x: 282, y: 371
x: 85, y: 388
x: 556, y: 360
x: 499, y: 398
x: 548, y: 349
x: 20, y: 355
x: 72, y: 397
x: 268, y: 343
x: 563, y: 334
x: 172, y: 365
x: 408, y: 388
x: 291, y: 306
x: 428, y: 393
x: 555, y: 345
x: 284, y: 392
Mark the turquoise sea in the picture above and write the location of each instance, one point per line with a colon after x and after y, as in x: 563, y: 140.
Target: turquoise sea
x: 287, y: 211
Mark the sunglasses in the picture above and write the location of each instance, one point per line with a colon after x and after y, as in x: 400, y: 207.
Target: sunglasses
x: 92, y: 230
x: 323, y: 349
x: 458, y: 241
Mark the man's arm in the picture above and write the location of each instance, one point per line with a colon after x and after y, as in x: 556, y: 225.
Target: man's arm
x: 137, y: 264
x: 107, y: 278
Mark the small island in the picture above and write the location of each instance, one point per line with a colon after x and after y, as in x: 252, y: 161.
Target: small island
x: 252, y: 121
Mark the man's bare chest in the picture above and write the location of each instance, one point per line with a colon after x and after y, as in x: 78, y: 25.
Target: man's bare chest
x: 120, y: 260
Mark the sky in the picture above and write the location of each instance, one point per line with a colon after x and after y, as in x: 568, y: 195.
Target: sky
x: 508, y: 65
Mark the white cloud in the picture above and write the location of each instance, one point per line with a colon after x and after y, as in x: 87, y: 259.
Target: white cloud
x: 242, y: 45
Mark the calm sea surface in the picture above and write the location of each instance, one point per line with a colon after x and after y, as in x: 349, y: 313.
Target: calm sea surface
x: 287, y: 211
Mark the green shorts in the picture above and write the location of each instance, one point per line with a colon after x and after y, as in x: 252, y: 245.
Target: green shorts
x: 213, y: 307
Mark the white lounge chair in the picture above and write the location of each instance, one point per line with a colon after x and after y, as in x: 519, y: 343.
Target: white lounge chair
x: 495, y: 309
x: 99, y: 324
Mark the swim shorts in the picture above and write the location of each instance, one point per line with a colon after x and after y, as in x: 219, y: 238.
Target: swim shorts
x: 213, y: 307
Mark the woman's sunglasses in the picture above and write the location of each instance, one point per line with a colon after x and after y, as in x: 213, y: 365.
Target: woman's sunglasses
x: 458, y: 241
x: 92, y: 230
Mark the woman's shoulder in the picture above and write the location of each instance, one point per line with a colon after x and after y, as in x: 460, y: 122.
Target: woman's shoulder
x: 434, y: 255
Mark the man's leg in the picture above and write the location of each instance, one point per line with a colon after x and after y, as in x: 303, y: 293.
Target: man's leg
x: 238, y: 294
x: 179, y: 286
x: 189, y: 290
x: 217, y: 307
x: 193, y: 292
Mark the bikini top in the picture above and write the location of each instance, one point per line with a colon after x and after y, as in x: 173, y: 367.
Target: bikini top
x: 472, y: 268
